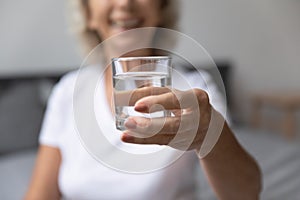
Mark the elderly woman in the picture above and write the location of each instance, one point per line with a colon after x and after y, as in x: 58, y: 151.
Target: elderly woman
x: 64, y: 169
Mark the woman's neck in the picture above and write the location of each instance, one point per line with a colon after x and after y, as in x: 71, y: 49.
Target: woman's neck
x: 136, y: 53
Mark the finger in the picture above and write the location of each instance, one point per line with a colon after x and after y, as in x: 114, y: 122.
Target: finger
x: 184, y: 141
x: 130, y: 97
x: 157, y: 139
x: 169, y: 101
x: 151, y: 126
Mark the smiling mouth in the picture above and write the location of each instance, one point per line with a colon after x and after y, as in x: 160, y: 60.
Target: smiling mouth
x: 126, y: 24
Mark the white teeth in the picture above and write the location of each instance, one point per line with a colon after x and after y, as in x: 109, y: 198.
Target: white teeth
x: 126, y: 23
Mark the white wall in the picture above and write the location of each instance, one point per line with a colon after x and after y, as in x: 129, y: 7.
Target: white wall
x: 34, y: 37
x: 261, y: 38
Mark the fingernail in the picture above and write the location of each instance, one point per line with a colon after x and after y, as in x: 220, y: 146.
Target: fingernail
x: 140, y: 107
x: 127, y: 138
x: 130, y: 123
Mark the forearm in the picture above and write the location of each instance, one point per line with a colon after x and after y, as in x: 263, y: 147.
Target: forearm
x: 44, y: 182
x: 231, y: 171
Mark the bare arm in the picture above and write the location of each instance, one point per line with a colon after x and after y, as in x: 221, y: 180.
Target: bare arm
x: 231, y: 171
x: 44, y: 183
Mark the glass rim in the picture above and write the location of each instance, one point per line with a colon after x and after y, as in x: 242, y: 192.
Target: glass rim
x: 142, y: 58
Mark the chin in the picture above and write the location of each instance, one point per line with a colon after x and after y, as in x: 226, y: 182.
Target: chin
x: 130, y: 39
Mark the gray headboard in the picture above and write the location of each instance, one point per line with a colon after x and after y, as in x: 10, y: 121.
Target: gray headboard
x: 22, y: 105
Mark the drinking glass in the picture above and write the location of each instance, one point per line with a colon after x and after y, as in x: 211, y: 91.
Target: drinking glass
x: 132, y: 73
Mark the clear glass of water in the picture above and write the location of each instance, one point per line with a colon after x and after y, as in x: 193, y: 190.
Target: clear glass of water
x: 131, y: 73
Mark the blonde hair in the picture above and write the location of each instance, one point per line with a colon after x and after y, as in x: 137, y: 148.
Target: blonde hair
x: 89, y: 39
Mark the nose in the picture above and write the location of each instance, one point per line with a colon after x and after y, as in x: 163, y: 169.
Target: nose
x: 125, y: 4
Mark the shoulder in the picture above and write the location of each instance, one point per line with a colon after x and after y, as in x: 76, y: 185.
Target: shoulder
x: 191, y: 78
x: 58, y: 110
x: 63, y: 89
x: 67, y: 83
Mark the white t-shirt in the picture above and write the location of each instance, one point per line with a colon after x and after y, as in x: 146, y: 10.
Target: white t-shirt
x: 83, y: 177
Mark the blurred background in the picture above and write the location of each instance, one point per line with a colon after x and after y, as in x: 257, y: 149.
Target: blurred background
x: 257, y: 42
